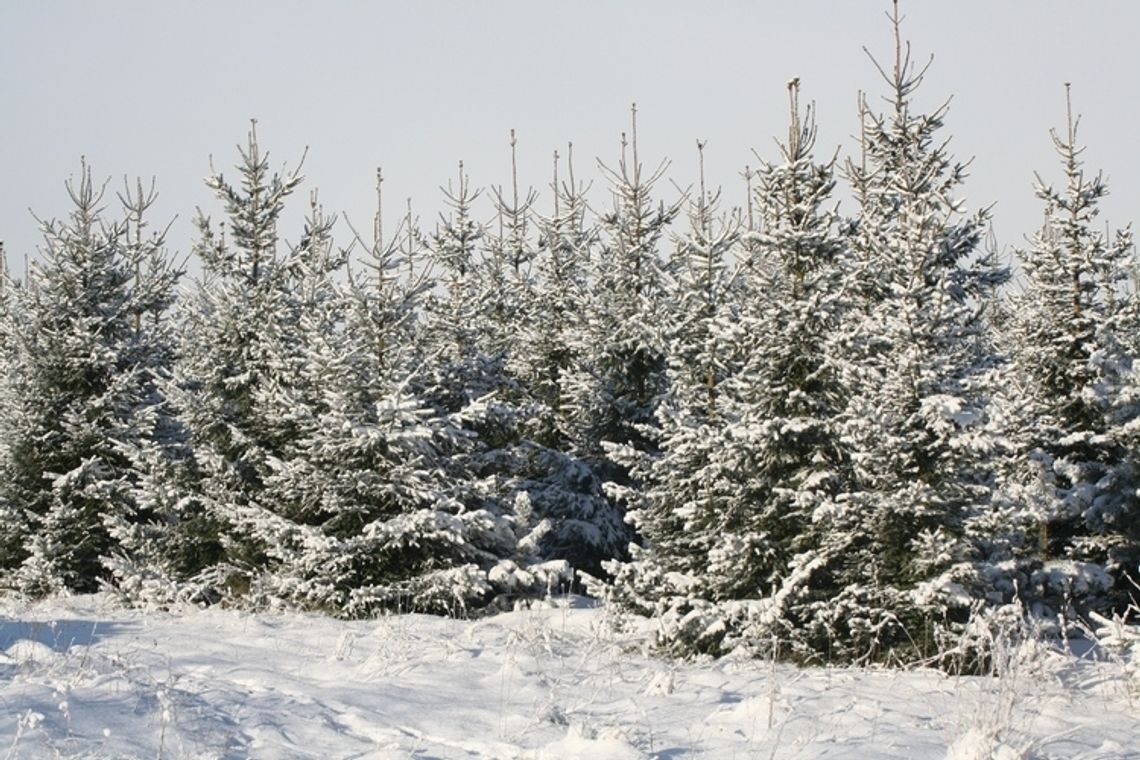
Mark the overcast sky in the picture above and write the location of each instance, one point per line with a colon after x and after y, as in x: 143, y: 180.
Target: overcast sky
x: 155, y: 88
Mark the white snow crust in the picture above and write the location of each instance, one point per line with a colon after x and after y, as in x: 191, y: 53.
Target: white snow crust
x: 83, y: 678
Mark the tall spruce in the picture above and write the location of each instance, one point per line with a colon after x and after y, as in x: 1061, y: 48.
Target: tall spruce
x: 786, y: 398
x: 564, y: 479
x: 84, y: 339
x: 1072, y: 339
x: 749, y: 446
x: 238, y: 321
x: 613, y: 392
x: 916, y: 358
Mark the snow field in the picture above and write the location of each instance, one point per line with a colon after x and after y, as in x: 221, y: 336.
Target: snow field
x: 81, y: 678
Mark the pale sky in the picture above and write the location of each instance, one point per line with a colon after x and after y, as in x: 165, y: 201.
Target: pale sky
x: 150, y: 88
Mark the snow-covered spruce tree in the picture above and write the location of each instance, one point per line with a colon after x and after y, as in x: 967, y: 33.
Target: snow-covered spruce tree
x: 473, y: 326
x: 561, y: 481
x: 675, y: 476
x: 275, y: 516
x: 1074, y: 514
x: 750, y: 449
x: 611, y: 395
x: 464, y: 337
x: 234, y: 323
x: 502, y: 293
x: 916, y: 360
x: 12, y: 521
x: 522, y: 456
x: 84, y: 339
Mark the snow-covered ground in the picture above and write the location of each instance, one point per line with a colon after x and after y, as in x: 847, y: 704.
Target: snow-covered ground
x: 80, y: 678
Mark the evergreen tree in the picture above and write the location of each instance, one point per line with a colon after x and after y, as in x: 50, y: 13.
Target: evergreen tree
x: 674, y: 478
x: 916, y: 360
x: 750, y: 446
x: 1071, y: 335
x: 612, y: 393
x: 84, y: 338
x: 562, y: 482
x: 478, y: 324
x: 207, y: 479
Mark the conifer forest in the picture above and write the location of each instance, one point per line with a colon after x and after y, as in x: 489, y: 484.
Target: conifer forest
x: 827, y: 413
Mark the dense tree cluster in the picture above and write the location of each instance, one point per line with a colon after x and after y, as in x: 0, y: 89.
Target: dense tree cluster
x: 842, y: 433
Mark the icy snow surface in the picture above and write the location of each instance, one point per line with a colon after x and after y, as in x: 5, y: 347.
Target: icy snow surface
x: 80, y: 678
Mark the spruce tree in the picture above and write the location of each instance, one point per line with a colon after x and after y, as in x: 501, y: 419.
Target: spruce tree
x: 563, y: 479
x: 12, y: 521
x: 916, y: 360
x: 626, y: 315
x: 479, y: 324
x: 612, y: 393
x: 238, y: 356
x: 674, y: 477
x: 750, y: 449
x: 1071, y: 336
x: 84, y: 339
x: 198, y: 520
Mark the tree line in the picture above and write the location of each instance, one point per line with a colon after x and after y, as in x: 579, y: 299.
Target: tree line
x: 846, y: 432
